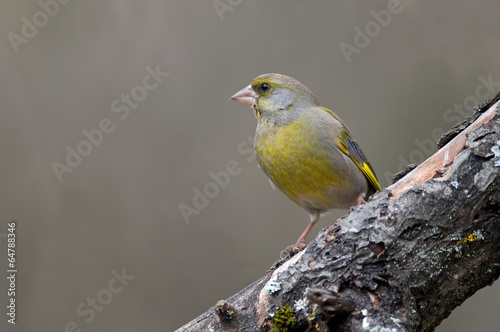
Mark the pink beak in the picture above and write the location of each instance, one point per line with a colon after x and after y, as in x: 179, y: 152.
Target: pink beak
x: 245, y: 96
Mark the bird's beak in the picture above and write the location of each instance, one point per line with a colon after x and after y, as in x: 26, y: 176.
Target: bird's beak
x: 245, y: 96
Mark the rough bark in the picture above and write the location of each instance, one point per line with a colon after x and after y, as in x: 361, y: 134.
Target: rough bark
x: 400, y: 262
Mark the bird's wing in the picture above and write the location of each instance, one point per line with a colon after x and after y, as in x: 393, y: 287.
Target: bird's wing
x: 351, y: 148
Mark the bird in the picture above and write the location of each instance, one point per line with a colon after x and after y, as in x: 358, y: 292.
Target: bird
x: 306, y: 150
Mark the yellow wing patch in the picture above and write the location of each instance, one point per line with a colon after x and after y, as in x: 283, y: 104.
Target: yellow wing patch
x: 353, y: 151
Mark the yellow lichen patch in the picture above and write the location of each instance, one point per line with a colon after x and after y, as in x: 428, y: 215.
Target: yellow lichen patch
x: 471, y: 238
x: 283, y: 320
x: 312, y: 317
x: 224, y: 310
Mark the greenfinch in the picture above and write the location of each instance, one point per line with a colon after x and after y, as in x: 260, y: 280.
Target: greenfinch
x: 305, y: 149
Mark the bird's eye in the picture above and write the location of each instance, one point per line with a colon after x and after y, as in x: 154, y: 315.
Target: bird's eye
x: 264, y: 87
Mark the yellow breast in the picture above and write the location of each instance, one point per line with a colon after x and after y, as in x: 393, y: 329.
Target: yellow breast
x: 299, y: 162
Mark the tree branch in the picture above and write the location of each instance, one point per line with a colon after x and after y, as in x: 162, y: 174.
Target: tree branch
x: 400, y: 262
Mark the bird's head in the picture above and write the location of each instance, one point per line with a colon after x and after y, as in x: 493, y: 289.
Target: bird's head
x: 275, y: 93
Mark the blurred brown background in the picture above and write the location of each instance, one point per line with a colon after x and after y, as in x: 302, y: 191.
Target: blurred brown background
x: 119, y: 207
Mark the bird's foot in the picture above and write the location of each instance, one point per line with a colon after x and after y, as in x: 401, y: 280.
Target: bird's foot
x: 360, y: 200
x: 288, y: 253
x: 294, y: 249
x: 352, y: 208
